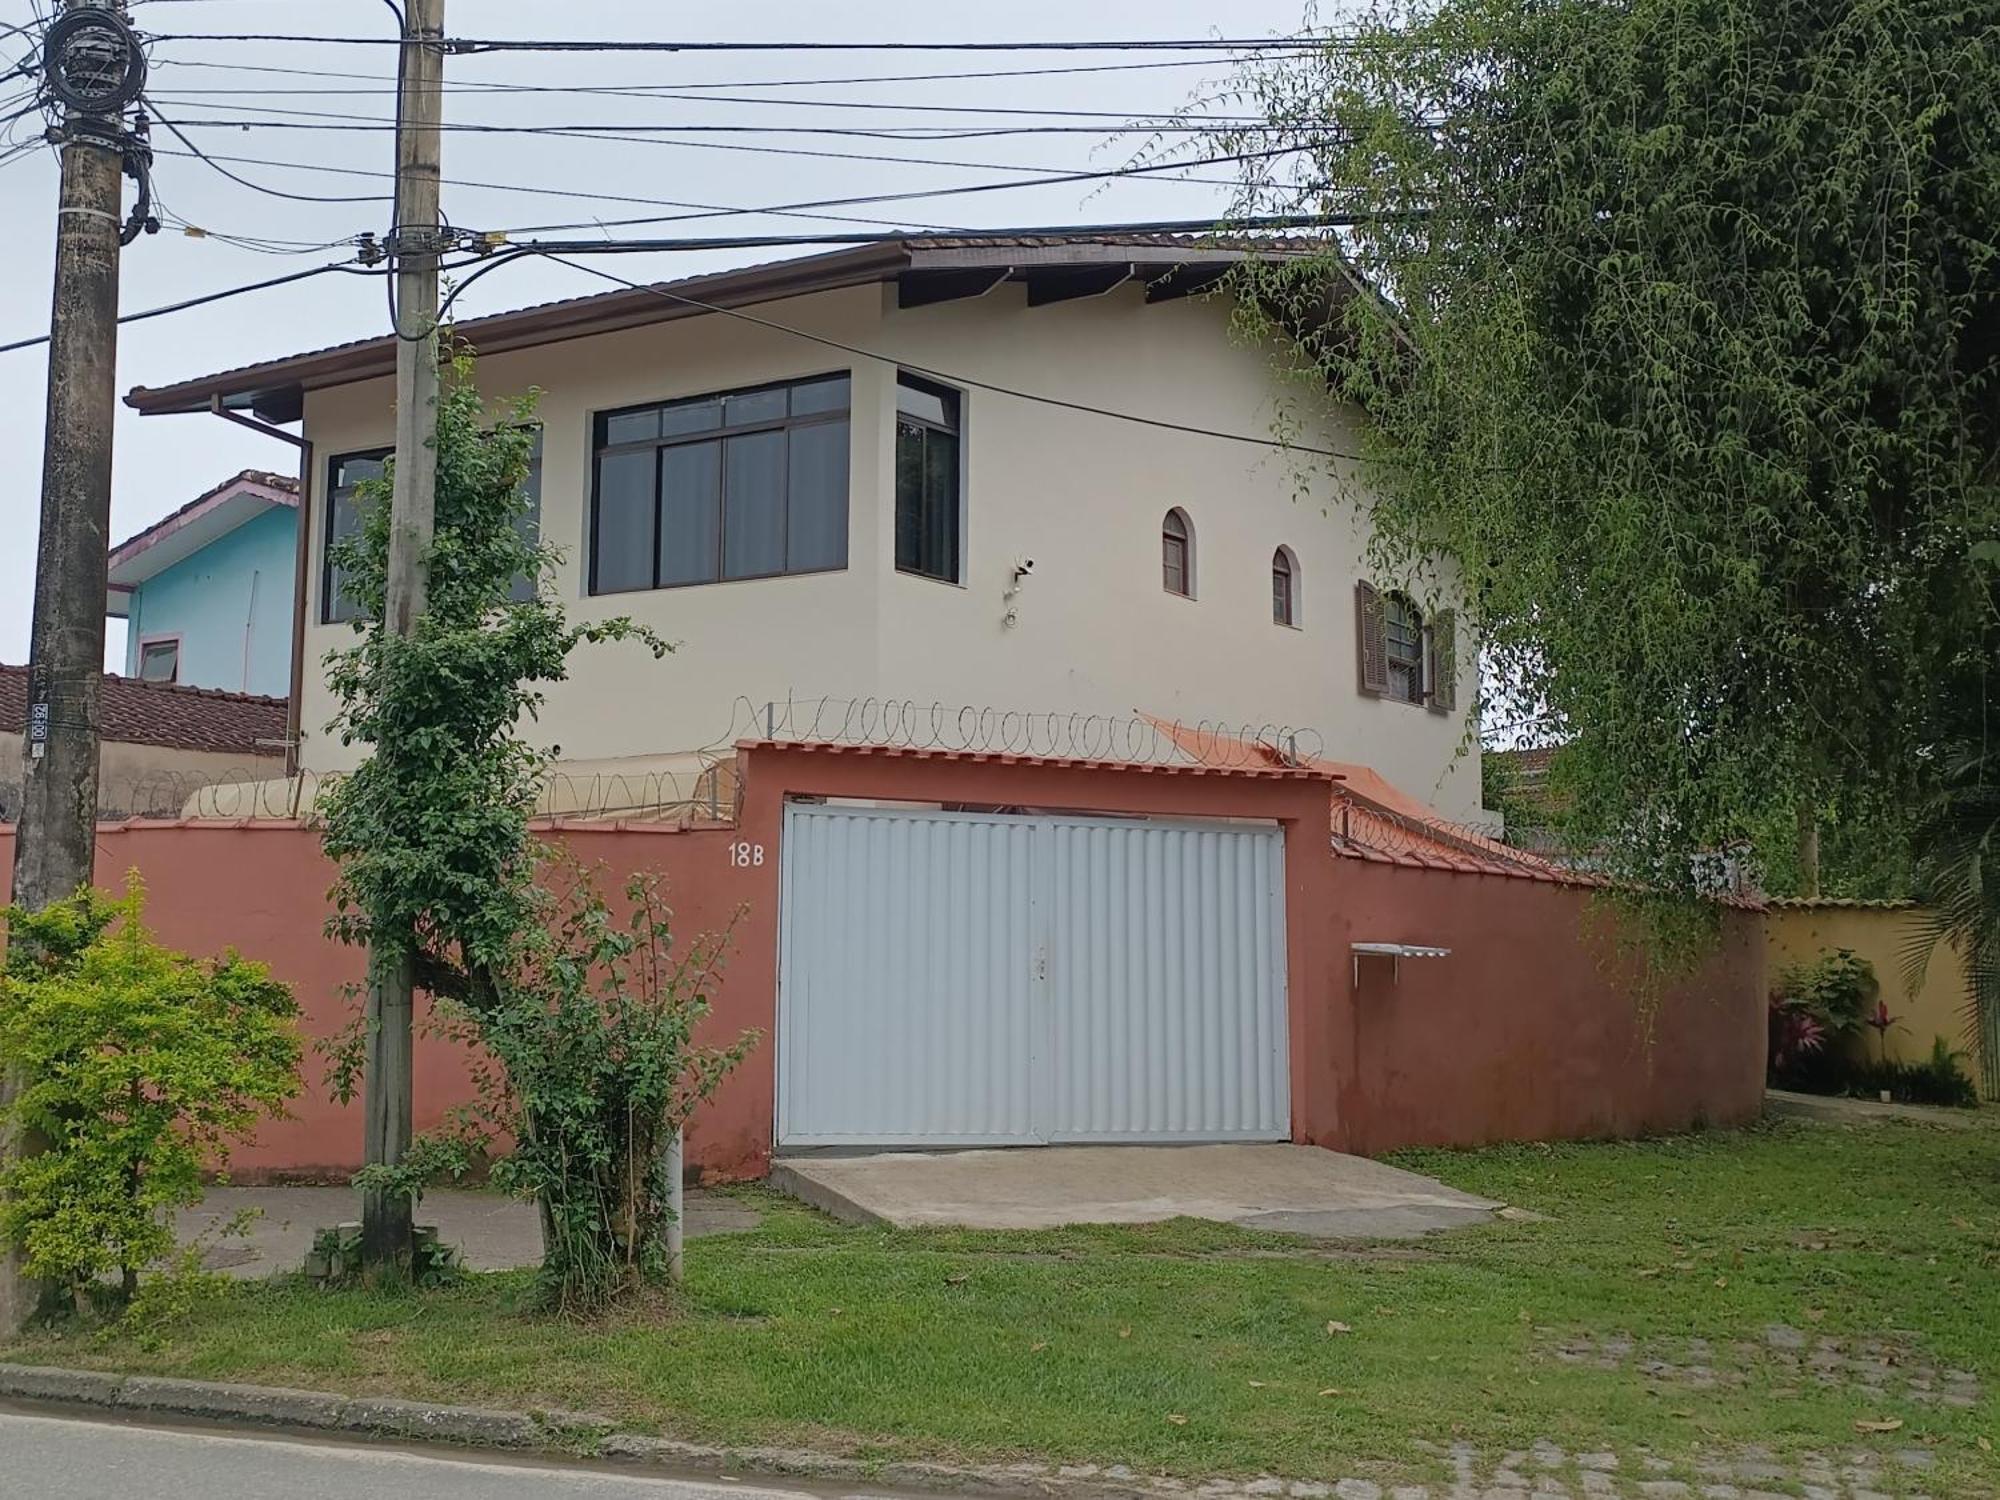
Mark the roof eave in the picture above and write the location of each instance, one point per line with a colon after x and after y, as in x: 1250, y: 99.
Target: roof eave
x: 268, y: 384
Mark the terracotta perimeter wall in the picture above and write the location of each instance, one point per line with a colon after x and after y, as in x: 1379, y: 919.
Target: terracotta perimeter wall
x: 1522, y: 1033
x: 1531, y: 1029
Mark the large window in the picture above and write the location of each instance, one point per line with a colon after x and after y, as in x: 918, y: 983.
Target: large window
x: 746, y: 484
x: 927, y: 479
x: 344, y: 512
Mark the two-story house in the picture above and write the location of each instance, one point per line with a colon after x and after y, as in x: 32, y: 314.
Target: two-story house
x: 1039, y: 474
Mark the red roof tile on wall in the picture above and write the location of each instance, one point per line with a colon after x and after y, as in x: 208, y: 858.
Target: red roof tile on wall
x: 160, y: 713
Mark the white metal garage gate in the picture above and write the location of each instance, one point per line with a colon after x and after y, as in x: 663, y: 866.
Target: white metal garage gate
x: 971, y: 979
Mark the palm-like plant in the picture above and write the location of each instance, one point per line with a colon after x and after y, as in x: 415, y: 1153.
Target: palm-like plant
x: 1958, y: 885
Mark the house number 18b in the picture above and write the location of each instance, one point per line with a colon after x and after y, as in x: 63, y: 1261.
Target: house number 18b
x: 746, y: 856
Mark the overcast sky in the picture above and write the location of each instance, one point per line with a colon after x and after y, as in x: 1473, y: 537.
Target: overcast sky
x: 162, y: 462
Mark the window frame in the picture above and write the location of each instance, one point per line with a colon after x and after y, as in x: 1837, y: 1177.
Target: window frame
x: 599, y: 450
x: 1419, y: 665
x: 1176, y: 515
x: 954, y: 427
x: 333, y: 463
x: 146, y: 642
x: 1285, y: 563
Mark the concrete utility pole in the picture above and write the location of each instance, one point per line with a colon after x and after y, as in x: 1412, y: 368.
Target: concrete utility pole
x: 416, y: 244
x: 53, y: 853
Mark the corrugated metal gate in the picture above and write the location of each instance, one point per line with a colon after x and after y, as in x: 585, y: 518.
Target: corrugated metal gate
x: 971, y: 979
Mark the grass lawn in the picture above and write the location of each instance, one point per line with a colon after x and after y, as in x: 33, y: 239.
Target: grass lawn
x: 1086, y: 1345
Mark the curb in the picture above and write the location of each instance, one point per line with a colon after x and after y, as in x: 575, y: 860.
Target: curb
x: 274, y: 1408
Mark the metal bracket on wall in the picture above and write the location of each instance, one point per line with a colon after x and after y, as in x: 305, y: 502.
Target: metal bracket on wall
x: 1395, y: 953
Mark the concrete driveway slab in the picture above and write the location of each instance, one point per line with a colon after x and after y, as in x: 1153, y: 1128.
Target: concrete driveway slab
x: 1290, y: 1189
x: 492, y: 1232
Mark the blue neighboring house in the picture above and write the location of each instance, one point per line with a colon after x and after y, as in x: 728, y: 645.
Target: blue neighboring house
x: 207, y: 592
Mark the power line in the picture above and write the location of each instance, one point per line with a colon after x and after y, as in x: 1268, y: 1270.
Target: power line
x: 604, y: 130
x: 800, y: 210
x: 203, y: 301
x: 741, y: 83
x: 683, y: 95
x: 472, y: 46
x: 960, y: 191
x: 200, y: 155
x: 1153, y: 170
x: 948, y: 377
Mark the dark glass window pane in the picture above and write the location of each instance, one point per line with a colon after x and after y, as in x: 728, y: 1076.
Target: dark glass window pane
x: 927, y: 501
x: 820, y: 395
x: 632, y: 427
x: 530, y: 520
x: 344, y: 515
x: 690, y: 513
x: 624, y: 540
x: 754, y: 406
x: 691, y: 416
x: 818, y: 526
x: 909, y: 495
x: 941, y: 505
x: 753, y: 522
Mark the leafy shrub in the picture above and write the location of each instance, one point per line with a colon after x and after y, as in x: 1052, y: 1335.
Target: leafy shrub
x: 1813, y: 1007
x: 1838, y: 988
x: 592, y: 1026
x: 140, y: 1066
x: 1938, y: 1080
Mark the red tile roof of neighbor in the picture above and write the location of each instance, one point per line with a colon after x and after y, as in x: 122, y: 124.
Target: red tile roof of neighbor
x: 1373, y: 819
x: 160, y: 713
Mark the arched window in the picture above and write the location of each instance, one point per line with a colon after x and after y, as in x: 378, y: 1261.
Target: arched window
x: 1177, y: 554
x: 1284, y: 587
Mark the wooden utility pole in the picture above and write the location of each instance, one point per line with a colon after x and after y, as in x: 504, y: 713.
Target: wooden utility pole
x: 416, y: 244
x: 53, y: 852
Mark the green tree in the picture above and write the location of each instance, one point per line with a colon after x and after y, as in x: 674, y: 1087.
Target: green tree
x: 143, y: 1065
x: 1677, y: 324
x: 592, y: 1026
x: 431, y: 830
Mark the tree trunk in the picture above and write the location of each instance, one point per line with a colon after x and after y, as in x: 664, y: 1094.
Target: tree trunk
x: 1808, y: 851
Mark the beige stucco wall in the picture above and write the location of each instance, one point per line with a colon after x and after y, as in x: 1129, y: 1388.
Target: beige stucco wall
x: 1796, y: 935
x: 1081, y: 495
x: 144, y: 780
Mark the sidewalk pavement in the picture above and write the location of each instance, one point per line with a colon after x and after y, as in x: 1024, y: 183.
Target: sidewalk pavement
x: 491, y: 1231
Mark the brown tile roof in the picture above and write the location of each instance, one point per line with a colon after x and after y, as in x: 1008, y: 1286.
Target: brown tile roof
x: 159, y: 713
x: 1530, y: 766
x: 626, y: 307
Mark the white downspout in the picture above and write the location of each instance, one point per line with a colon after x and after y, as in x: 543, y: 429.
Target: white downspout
x: 249, y: 625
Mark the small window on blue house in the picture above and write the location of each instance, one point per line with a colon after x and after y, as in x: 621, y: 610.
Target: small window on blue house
x: 160, y: 661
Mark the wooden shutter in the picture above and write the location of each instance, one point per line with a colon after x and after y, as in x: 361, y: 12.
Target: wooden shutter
x: 1442, y: 667
x: 1369, y: 638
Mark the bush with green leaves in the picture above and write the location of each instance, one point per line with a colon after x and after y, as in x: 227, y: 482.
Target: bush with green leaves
x: 594, y: 1064
x: 140, y: 1068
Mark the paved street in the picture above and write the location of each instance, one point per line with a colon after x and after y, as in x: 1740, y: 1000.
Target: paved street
x: 56, y: 1458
